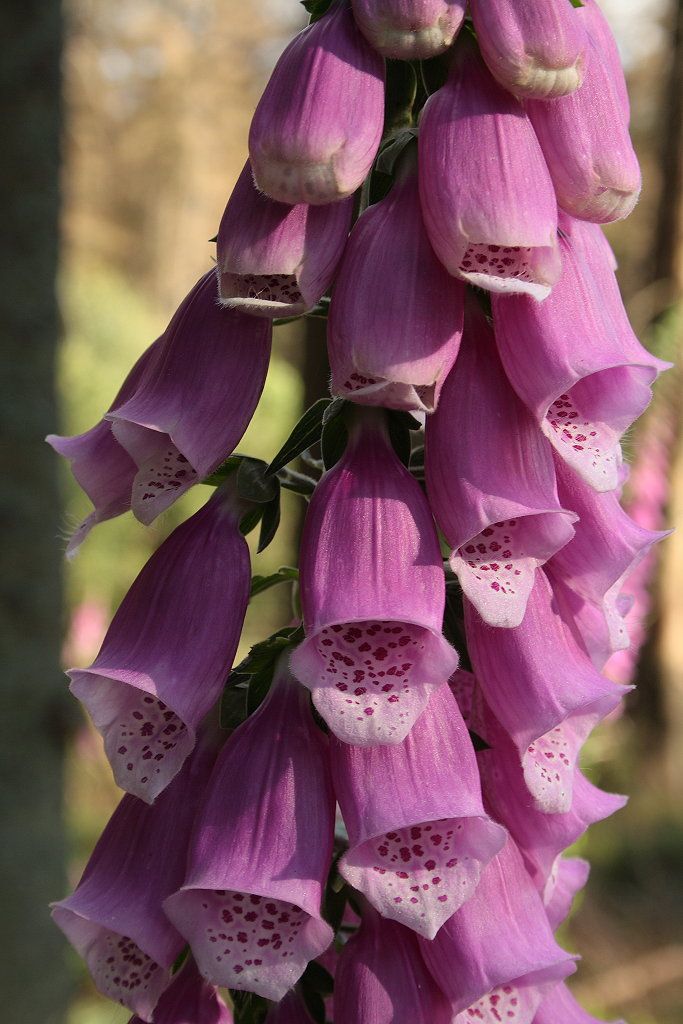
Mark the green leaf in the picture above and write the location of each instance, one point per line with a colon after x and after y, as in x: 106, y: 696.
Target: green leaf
x: 306, y: 432
x: 391, y: 151
x: 252, y: 482
x: 261, y: 654
x: 333, y: 441
x: 247, y: 1007
x: 285, y: 574
x: 224, y: 470
x: 269, y: 522
x: 259, y: 685
x: 576, y: 3
x: 335, y: 408
x: 250, y: 520
x: 316, y: 8
x: 300, y: 483
x: 233, y: 707
x: 180, y: 960
x: 477, y: 742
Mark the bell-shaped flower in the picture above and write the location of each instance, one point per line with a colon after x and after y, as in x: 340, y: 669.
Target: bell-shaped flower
x: 491, y: 481
x: 194, y: 399
x: 381, y: 978
x: 574, y: 359
x: 261, y: 851
x: 114, y: 918
x: 409, y: 29
x: 560, y: 1005
x: 540, y: 837
x: 586, y: 144
x: 532, y: 48
x: 189, y: 1000
x: 319, y: 122
x: 544, y: 691
x: 501, y: 936
x: 606, y: 548
x: 373, y: 592
x: 274, y: 259
x: 494, y: 223
x: 170, y: 647
x: 396, y: 315
x: 418, y: 834
x: 99, y: 464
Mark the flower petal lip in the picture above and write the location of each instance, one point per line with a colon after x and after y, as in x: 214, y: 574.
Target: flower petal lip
x: 494, y: 223
x: 317, y: 127
x: 169, y: 648
x: 275, y: 259
x: 406, y: 30
x: 534, y: 48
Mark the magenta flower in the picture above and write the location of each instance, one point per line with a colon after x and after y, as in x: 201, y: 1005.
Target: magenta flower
x: 261, y: 851
x: 194, y: 400
x: 491, y: 481
x: 114, y: 918
x: 274, y: 259
x: 418, y: 834
x: 481, y: 948
x: 170, y: 647
x: 547, y: 712
x: 494, y: 223
x: 290, y: 1010
x: 533, y: 49
x: 409, y: 29
x: 396, y: 314
x: 586, y: 144
x: 381, y: 978
x: 372, y: 593
x: 559, y: 1005
x: 100, y: 465
x: 189, y: 1000
x: 574, y: 359
x: 318, y: 125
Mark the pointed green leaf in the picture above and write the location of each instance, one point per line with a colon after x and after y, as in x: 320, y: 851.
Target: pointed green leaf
x: 306, y: 432
x: 252, y: 482
x: 269, y: 522
x: 333, y: 441
x: 285, y: 574
x: 233, y: 708
x: 250, y: 520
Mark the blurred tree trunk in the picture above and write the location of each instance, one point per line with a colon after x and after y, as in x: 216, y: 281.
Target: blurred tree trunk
x: 33, y: 980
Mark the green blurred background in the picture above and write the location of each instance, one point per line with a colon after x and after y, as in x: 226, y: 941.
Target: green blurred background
x: 147, y: 142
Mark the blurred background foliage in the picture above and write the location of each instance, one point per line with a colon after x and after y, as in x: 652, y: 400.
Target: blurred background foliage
x: 158, y: 96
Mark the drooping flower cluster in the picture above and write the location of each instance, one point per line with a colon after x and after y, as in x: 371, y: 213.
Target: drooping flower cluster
x: 376, y: 834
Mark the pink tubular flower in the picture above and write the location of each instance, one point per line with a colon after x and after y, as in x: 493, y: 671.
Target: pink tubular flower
x: 586, y: 145
x: 494, y: 223
x: 189, y: 1000
x: 418, y: 834
x: 114, y: 918
x: 290, y: 1010
x: 274, y: 259
x: 194, y: 399
x: 381, y: 978
x: 170, y: 647
x: 261, y: 851
x: 491, y: 481
x: 317, y: 126
x: 396, y: 314
x: 574, y: 359
x: 483, y: 947
x: 548, y: 712
x: 605, y: 528
x: 559, y: 1005
x: 409, y: 29
x: 372, y: 592
x: 532, y: 48
x: 100, y: 465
